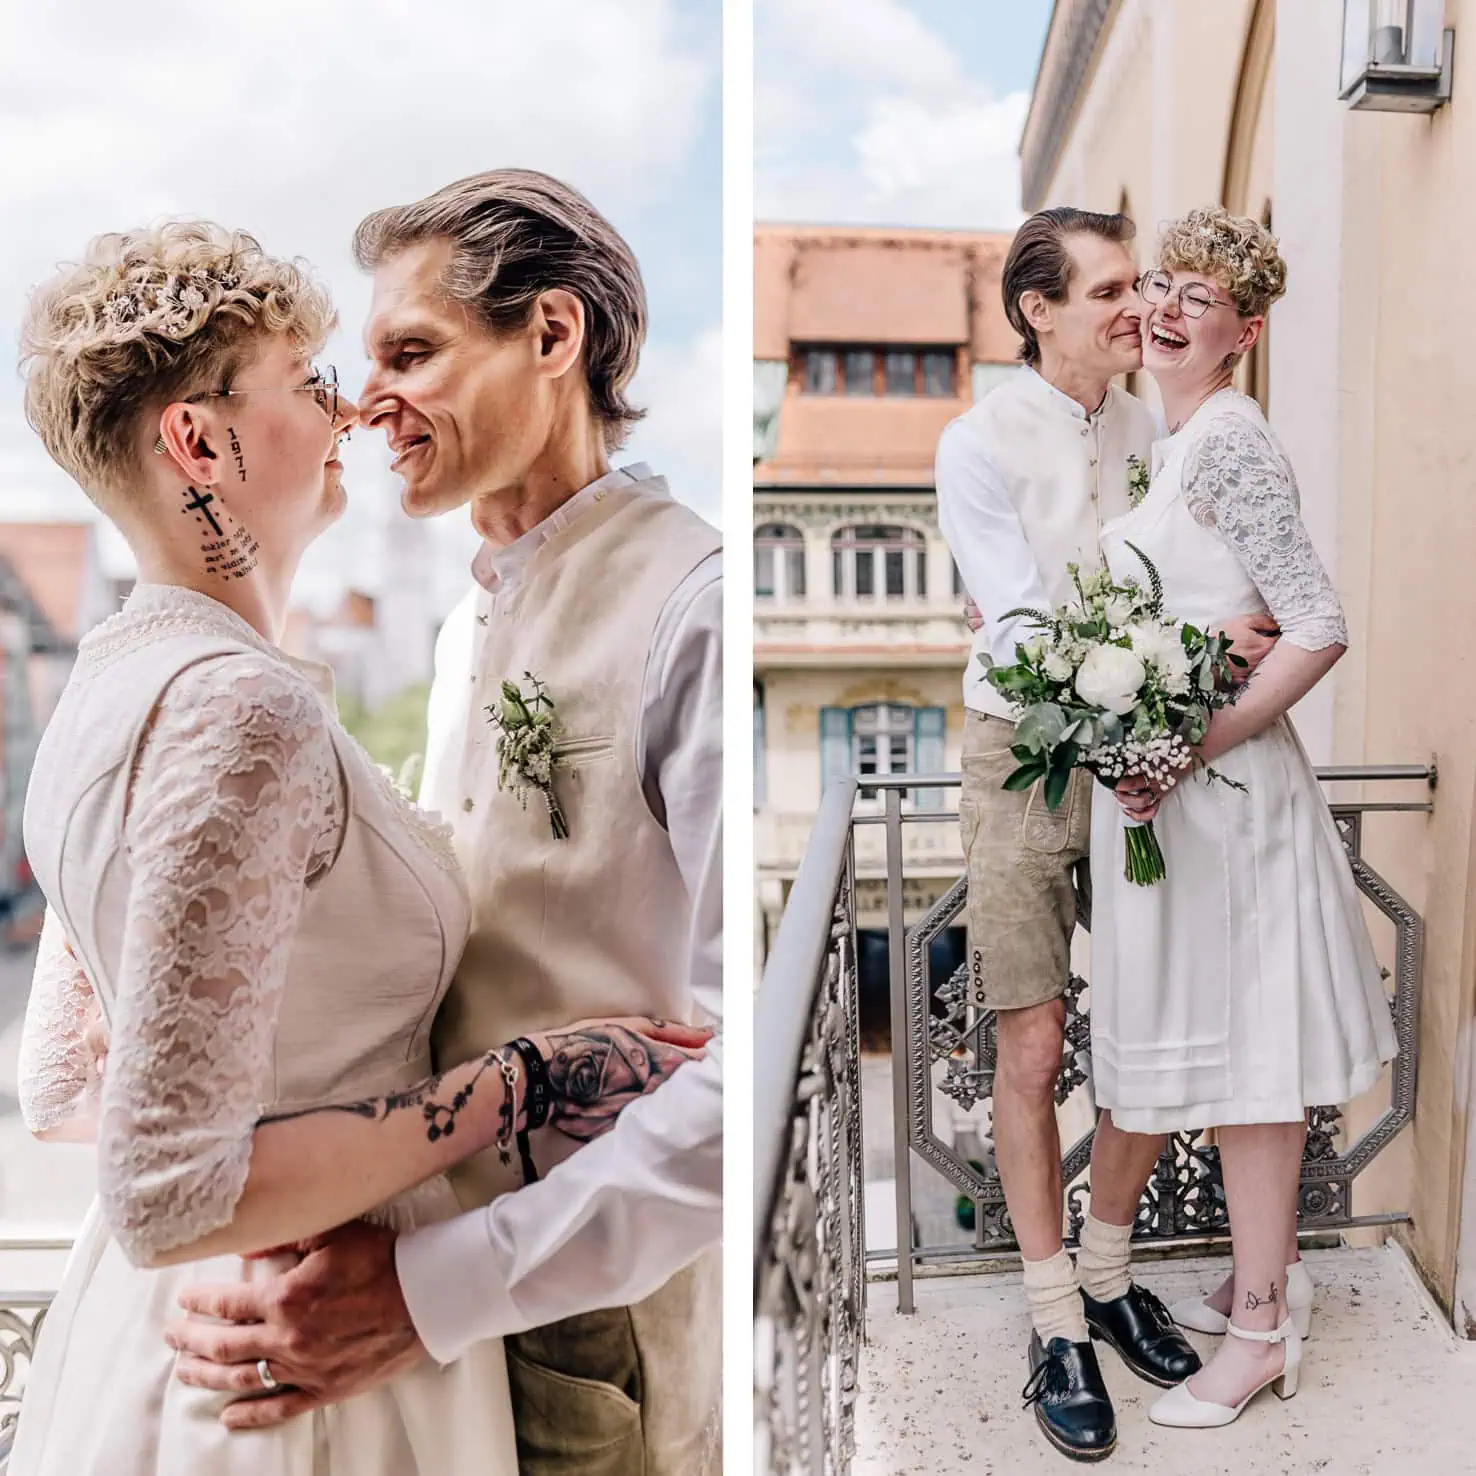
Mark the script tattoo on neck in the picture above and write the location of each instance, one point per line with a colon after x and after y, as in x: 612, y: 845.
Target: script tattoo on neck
x: 1252, y: 1301
x: 237, y: 452
x: 228, y: 548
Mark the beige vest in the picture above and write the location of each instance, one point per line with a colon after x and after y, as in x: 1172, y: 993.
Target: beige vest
x: 596, y: 924
x: 1066, y: 476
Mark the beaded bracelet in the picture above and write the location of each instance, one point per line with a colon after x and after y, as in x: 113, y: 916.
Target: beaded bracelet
x: 506, y: 1116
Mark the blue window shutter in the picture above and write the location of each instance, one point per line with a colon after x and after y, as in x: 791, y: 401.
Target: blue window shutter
x: 835, y: 745
x: 929, y: 726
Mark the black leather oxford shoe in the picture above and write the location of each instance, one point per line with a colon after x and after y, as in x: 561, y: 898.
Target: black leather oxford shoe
x: 1071, y: 1403
x: 1139, y: 1327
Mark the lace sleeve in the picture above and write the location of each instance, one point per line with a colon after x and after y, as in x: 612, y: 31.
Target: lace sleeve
x: 235, y: 804
x: 1235, y: 481
x: 55, y: 1075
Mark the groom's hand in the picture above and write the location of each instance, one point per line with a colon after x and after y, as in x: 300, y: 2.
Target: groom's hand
x: 973, y: 618
x: 1252, y: 638
x: 330, y: 1328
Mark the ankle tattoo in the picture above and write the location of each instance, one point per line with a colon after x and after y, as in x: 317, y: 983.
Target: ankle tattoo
x: 1252, y: 1301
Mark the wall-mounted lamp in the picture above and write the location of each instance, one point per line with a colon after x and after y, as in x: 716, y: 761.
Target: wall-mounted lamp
x: 1396, y: 55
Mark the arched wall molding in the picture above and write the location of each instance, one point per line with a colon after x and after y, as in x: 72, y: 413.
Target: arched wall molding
x: 1250, y: 94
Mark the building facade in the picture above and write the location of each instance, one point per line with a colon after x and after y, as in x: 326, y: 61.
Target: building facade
x: 867, y: 343
x: 1155, y: 106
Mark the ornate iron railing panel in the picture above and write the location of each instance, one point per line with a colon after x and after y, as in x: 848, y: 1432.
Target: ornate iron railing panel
x: 809, y: 1262
x: 947, y: 1050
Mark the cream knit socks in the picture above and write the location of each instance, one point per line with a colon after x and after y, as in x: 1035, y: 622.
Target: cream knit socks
x: 1102, y: 1261
x: 1055, y: 1299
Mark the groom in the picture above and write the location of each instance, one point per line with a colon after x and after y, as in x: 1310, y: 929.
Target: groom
x: 506, y: 323
x: 1025, y: 480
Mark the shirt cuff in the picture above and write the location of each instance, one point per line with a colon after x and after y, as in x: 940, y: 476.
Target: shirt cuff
x: 454, y: 1287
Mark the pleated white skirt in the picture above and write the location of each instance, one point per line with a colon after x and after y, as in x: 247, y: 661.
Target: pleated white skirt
x: 1242, y: 988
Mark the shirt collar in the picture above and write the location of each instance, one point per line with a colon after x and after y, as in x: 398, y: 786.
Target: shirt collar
x: 1045, y: 391
x: 499, y: 569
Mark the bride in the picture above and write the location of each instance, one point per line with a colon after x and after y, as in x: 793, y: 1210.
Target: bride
x: 1243, y: 988
x: 269, y: 925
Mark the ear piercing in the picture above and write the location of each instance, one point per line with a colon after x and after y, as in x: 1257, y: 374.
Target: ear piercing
x: 159, y: 447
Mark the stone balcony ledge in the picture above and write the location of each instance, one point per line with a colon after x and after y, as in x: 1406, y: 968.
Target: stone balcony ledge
x: 1385, y: 1383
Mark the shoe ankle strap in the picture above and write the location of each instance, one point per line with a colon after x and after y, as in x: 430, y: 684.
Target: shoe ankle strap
x: 1276, y: 1335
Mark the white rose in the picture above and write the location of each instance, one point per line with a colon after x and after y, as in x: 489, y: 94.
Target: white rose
x: 1110, y: 677
x: 1164, y: 647
x: 1118, y: 610
x: 1057, y: 667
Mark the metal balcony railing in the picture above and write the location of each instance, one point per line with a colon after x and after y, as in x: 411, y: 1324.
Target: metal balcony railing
x: 810, y: 1257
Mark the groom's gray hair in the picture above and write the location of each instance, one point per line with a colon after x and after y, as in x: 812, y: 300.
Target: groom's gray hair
x: 516, y: 234
x: 1038, y: 261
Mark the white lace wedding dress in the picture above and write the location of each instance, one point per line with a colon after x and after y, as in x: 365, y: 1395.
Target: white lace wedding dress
x: 1242, y: 988
x: 268, y: 925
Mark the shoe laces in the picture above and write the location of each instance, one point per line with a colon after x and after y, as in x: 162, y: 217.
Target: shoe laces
x: 1050, y: 1377
x: 1151, y: 1308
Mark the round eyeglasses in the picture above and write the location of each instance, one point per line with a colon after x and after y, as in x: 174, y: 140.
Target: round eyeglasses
x: 323, y: 387
x: 1194, y: 300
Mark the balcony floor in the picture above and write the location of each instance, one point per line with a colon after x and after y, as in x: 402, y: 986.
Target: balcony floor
x: 1386, y: 1386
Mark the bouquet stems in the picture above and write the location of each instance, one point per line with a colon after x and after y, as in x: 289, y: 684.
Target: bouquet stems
x: 1144, y: 857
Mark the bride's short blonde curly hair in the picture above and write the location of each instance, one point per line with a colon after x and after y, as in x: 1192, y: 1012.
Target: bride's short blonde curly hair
x: 146, y: 318
x: 1237, y: 251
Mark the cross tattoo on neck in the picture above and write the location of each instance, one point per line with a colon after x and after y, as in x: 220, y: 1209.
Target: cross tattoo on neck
x: 202, y: 504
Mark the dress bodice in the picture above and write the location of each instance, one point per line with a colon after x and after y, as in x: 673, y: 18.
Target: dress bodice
x: 1222, y: 524
x: 266, y: 921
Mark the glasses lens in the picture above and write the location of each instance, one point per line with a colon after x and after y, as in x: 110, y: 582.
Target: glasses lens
x: 1194, y: 302
x: 1155, y: 287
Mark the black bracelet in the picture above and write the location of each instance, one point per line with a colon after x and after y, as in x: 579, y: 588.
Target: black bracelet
x: 538, y: 1091
x: 537, y: 1099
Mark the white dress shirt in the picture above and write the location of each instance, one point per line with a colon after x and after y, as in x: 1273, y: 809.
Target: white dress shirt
x: 618, y: 1219
x: 1030, y: 453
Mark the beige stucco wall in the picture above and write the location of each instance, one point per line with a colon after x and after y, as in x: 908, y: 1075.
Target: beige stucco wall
x: 1370, y: 389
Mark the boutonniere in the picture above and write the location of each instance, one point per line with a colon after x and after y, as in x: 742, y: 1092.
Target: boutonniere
x: 527, y: 729
x: 1138, y: 480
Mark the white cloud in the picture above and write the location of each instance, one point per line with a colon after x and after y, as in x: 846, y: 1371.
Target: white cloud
x: 682, y: 436
x: 880, y: 41
x: 919, y: 142
x: 294, y: 121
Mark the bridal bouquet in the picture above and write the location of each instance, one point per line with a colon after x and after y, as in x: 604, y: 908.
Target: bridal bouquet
x: 1113, y: 686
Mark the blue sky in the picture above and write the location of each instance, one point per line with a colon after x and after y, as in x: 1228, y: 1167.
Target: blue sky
x: 312, y: 115
x: 893, y: 112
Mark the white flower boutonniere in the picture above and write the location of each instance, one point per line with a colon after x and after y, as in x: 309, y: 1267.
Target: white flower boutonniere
x: 525, y: 746
x: 1138, y: 480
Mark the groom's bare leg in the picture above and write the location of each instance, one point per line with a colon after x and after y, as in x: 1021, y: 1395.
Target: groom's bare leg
x: 1121, y: 1163
x: 1027, y: 1142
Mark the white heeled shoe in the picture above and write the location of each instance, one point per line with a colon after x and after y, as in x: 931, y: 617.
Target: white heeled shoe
x: 1180, y: 1409
x: 1199, y: 1316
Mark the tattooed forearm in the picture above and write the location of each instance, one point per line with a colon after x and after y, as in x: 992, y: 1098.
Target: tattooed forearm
x: 438, y: 1106
x: 595, y: 1072
x: 1252, y: 1301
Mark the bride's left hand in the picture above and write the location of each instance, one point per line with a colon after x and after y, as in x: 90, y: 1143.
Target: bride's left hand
x: 1140, y: 796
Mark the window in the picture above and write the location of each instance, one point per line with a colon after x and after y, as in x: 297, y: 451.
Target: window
x: 959, y: 592
x: 778, y: 562
x: 901, y: 372
x: 760, y: 789
x: 937, y: 375
x: 872, y: 560
x: 820, y: 372
x: 860, y: 367
x: 878, y: 369
x: 883, y: 738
